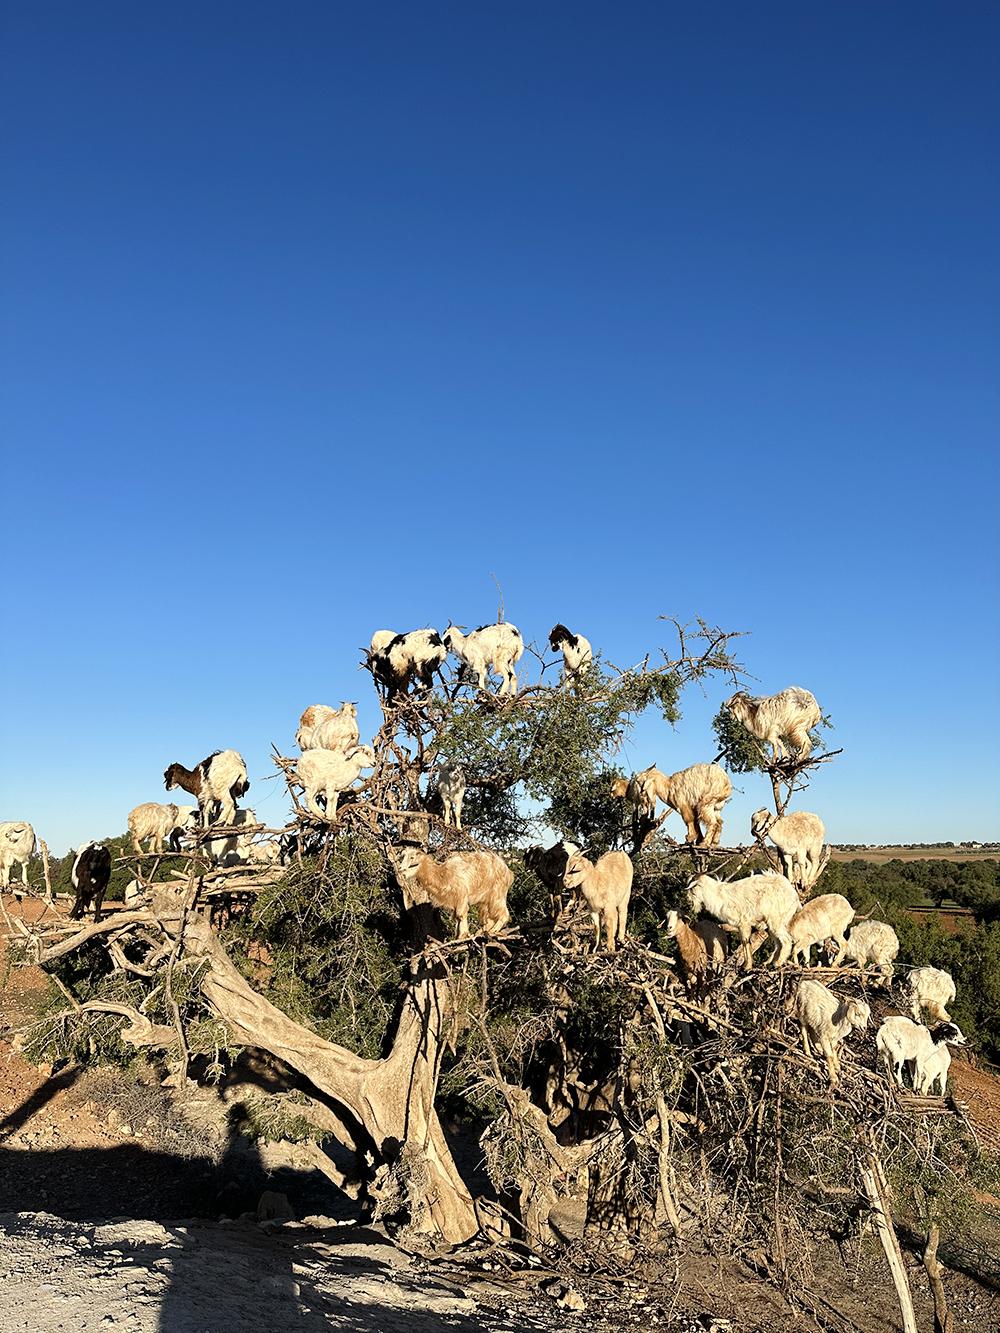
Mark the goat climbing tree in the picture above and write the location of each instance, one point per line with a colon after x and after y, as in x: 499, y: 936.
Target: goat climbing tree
x: 322, y: 965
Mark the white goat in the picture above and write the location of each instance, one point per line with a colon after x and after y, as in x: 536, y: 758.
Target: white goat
x: 757, y: 900
x: 461, y: 881
x: 488, y: 649
x: 324, y: 728
x: 327, y: 773
x: 799, y: 839
x: 702, y: 946
x: 910, y: 1046
x: 872, y: 942
x: 774, y: 718
x: 824, y: 918
x: 157, y: 822
x: 234, y: 848
x: 549, y: 864
x: 606, y: 888
x: 577, y: 653
x: 221, y: 779
x: 826, y: 1020
x: 451, y: 787
x: 397, y: 662
x: 931, y: 989
x: 697, y: 794
x: 17, y: 842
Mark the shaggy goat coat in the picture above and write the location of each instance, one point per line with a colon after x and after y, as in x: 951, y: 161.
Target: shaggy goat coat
x: 549, y: 864
x: 824, y: 918
x: 774, y: 718
x: 697, y: 794
x: 931, y: 989
x: 872, y: 942
x: 17, y: 842
x: 220, y: 780
x: 577, y: 653
x: 461, y: 881
x: 155, y: 822
x: 324, y: 728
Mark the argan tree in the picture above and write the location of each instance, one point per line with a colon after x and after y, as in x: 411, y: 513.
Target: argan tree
x: 322, y: 965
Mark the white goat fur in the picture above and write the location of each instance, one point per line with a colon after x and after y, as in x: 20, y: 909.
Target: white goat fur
x: 324, y: 728
x: 904, y: 1045
x: 931, y: 989
x: 156, y: 822
x: 824, y: 918
x: 577, y: 653
x: 872, y: 942
x: 799, y: 838
x: 702, y: 946
x: 756, y: 900
x: 774, y: 718
x: 606, y: 888
x: 17, y: 842
x: 697, y: 794
x: 488, y: 649
x: 327, y: 773
x: 234, y: 848
x: 461, y: 881
x: 451, y: 785
x: 826, y: 1020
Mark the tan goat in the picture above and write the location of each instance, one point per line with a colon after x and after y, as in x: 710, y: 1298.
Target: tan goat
x: 461, y: 881
x: 606, y: 889
x: 697, y: 794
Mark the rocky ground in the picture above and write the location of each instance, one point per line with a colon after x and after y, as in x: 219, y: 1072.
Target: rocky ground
x: 137, y: 1207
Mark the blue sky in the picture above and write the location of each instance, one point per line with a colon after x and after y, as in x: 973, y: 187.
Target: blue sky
x: 316, y: 315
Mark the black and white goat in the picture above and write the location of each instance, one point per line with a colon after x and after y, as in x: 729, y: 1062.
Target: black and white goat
x: 397, y: 662
x: 577, y: 653
x: 220, y: 780
x: 89, y: 877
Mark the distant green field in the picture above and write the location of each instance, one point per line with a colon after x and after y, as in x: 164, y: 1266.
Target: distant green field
x: 879, y: 855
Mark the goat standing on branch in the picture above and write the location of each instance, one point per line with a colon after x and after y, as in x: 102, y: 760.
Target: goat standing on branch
x: 799, y: 839
x: 577, y: 653
x: 488, y: 649
x: 757, y: 900
x: 697, y: 794
x: 397, y: 660
x: 327, y: 773
x: 461, y: 881
x: 89, y: 877
x: 606, y: 889
x: 549, y: 864
x: 775, y: 718
x: 220, y: 780
x: 826, y: 1020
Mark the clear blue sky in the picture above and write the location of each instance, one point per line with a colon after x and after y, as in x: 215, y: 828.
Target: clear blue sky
x: 316, y: 314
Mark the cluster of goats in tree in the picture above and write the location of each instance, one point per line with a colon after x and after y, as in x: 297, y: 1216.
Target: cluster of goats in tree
x: 776, y: 904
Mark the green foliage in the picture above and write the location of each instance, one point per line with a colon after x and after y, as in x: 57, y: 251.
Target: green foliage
x: 326, y: 945
x: 972, y: 955
x: 740, y: 748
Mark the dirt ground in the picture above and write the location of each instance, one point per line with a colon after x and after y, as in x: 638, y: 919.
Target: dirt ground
x: 105, y: 1223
